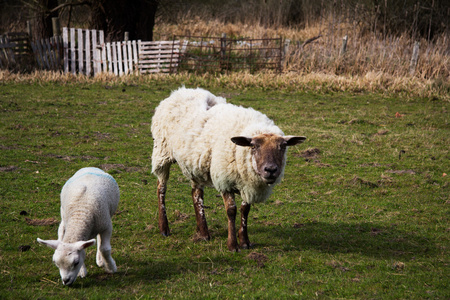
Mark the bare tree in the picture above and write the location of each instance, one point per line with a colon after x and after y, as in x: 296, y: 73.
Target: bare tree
x: 115, y: 17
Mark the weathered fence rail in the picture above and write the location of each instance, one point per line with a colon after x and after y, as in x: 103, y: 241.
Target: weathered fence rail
x: 162, y: 56
x: 48, y: 53
x: 86, y: 52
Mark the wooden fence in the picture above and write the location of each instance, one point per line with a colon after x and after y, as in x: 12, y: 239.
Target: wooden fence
x: 162, y: 56
x: 83, y: 51
x: 15, y: 51
x: 86, y: 52
x: 7, y: 57
x: 48, y: 53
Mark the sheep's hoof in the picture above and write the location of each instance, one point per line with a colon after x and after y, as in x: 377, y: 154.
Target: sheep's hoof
x: 246, y: 246
x: 164, y: 233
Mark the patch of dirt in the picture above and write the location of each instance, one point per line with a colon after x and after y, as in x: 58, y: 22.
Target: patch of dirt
x: 373, y: 165
x: 310, y: 153
x: 8, y: 169
x: 381, y: 132
x: 356, y: 180
x: 259, y: 258
x: 71, y: 158
x: 322, y: 165
x: 118, y: 167
x: 41, y: 222
x: 181, y: 217
x: 375, y: 231
x: 298, y: 225
x: 401, y: 172
x: 24, y: 248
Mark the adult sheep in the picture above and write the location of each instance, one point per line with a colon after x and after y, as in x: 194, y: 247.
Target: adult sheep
x: 233, y: 149
x: 88, y: 200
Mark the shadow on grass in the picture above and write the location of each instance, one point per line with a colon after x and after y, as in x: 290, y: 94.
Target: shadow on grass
x: 129, y: 273
x: 364, y: 238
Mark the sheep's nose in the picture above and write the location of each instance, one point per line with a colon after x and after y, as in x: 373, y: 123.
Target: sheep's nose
x: 66, y: 281
x: 271, y: 169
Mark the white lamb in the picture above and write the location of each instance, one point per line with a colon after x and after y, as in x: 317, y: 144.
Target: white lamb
x: 217, y: 144
x: 88, y: 200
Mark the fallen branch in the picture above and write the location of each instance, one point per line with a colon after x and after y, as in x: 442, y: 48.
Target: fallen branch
x: 310, y: 40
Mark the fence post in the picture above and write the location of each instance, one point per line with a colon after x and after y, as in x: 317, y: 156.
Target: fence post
x: 80, y: 51
x: 56, y: 27
x: 72, y: 51
x: 414, y: 58
x: 287, y: 42
x: 344, y: 45
x: 126, y: 36
x: 223, y: 50
x: 285, y: 50
x: 29, y: 30
x: 66, y: 49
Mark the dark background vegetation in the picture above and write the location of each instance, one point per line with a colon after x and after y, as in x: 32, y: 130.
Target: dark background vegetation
x: 418, y: 19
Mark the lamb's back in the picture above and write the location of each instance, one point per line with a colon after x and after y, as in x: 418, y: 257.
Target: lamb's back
x: 90, y: 194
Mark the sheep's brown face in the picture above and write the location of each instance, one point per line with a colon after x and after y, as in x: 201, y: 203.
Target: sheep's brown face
x: 268, y: 153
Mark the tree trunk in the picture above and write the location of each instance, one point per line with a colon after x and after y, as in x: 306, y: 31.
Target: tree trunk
x: 115, y: 17
x: 42, y: 27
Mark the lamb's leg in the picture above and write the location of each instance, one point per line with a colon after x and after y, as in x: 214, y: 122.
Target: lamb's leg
x: 244, y: 242
x: 61, y: 230
x: 104, y: 258
x: 83, y: 271
x: 202, y: 227
x: 99, y: 256
x: 230, y: 207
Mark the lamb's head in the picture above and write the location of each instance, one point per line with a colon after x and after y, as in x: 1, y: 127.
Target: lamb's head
x: 268, y: 153
x: 68, y: 257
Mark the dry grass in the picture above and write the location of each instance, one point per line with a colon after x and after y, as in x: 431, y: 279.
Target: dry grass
x: 379, y: 82
x: 370, y: 64
x: 366, y: 52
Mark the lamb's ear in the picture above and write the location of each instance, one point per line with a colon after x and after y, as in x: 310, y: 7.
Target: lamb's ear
x: 49, y: 243
x: 84, y: 244
x: 242, y: 141
x: 294, y: 140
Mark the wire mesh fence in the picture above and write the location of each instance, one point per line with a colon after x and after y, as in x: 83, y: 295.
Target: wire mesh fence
x: 223, y: 55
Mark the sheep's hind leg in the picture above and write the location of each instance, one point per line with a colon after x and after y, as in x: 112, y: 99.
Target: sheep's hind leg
x: 103, y: 257
x: 163, y: 177
x: 162, y: 221
x: 244, y: 242
x: 230, y: 207
x: 202, y: 227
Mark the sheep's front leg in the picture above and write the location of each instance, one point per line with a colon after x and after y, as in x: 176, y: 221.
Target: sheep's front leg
x: 230, y: 207
x: 104, y: 258
x: 202, y: 227
x: 83, y: 271
x: 244, y: 242
x: 162, y: 221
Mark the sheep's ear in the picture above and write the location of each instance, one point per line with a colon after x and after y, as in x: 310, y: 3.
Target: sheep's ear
x: 49, y: 243
x: 84, y: 244
x: 242, y: 141
x: 294, y: 140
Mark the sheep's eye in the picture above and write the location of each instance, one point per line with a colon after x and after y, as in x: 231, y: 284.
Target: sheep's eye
x: 76, y: 263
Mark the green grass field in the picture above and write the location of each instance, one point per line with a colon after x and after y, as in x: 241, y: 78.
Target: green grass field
x: 362, y: 213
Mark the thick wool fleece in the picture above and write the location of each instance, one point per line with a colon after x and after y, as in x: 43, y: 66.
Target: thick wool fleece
x: 88, y: 200
x: 194, y: 128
